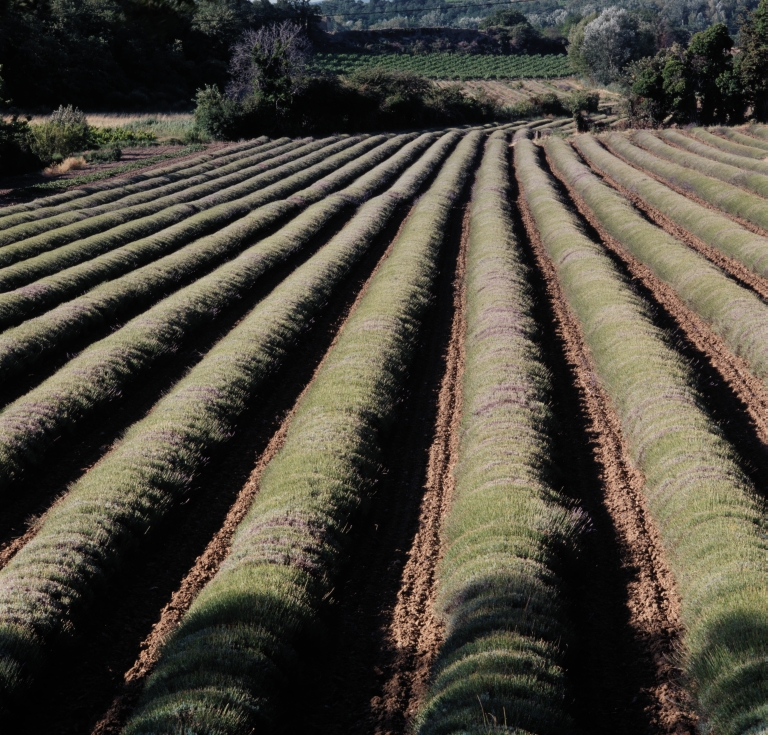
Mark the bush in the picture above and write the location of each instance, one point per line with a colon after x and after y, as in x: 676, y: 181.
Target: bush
x: 104, y: 156
x: 99, y: 137
x: 582, y: 101
x: 544, y: 104
x: 16, y: 154
x: 65, y: 132
x: 370, y: 99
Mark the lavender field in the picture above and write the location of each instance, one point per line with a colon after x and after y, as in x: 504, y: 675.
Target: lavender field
x: 455, y: 431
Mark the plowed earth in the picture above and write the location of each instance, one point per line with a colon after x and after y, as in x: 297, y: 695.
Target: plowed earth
x: 368, y: 675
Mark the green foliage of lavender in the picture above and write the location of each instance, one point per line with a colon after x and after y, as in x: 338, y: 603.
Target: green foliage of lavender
x: 720, y: 194
x: 714, y: 229
x: 499, y: 590
x: 50, y: 278
x: 21, y: 225
x: 229, y: 665
x: 736, y: 313
x: 112, y: 189
x: 109, y: 510
x: 701, y: 149
x: 710, y: 520
x: 31, y: 238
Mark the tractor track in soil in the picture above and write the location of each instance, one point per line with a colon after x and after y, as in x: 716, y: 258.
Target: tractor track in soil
x: 746, y: 224
x: 30, y: 498
x: 383, y: 634
x: 732, y: 267
x: 87, y: 673
x: 640, y: 586
x: 739, y: 398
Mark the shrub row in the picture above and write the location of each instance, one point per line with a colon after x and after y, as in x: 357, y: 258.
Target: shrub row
x: 21, y: 241
x: 707, y: 151
x: 732, y: 174
x: 71, y: 277
x: 229, y: 666
x: 499, y: 592
x: 746, y: 151
x: 720, y: 194
x: 146, y: 184
x: 37, y: 339
x: 90, y: 381
x: 736, y: 313
x: 177, y: 225
x: 183, y: 185
x: 709, y: 518
x: 713, y: 228
x: 739, y: 137
x: 110, y: 509
x: 120, y: 184
x: 758, y: 131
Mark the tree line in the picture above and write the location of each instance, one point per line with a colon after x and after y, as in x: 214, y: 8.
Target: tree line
x: 711, y: 79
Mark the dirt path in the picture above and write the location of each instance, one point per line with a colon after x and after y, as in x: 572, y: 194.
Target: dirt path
x: 650, y: 641
x: 733, y: 370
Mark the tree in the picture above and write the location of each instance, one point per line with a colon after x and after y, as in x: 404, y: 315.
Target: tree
x: 504, y: 17
x: 609, y: 44
x: 711, y: 72
x: 576, y: 45
x: 269, y: 62
x: 753, y: 60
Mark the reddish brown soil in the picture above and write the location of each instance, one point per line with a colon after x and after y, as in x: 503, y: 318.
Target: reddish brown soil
x: 693, y: 197
x: 652, y: 603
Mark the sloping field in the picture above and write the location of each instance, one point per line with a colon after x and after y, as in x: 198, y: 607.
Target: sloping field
x: 451, y: 432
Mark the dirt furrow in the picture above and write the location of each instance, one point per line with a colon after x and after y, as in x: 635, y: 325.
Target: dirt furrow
x: 736, y: 270
x: 686, y: 192
x: 415, y: 632
x: 383, y: 636
x: 732, y: 369
x: 650, y: 601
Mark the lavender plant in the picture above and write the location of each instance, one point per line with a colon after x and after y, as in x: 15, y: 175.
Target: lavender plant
x: 709, y: 517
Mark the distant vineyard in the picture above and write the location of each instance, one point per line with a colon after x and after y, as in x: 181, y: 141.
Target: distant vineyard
x: 450, y: 66
x: 446, y: 431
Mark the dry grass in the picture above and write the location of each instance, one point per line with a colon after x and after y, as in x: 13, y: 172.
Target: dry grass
x: 68, y: 164
x: 116, y: 119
